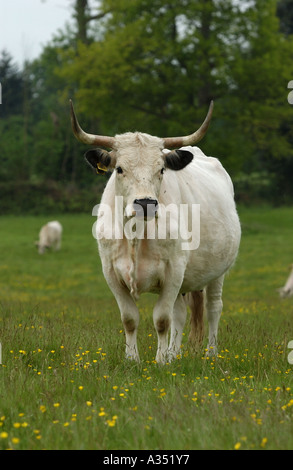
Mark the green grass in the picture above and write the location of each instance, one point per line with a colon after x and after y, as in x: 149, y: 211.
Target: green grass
x: 64, y: 382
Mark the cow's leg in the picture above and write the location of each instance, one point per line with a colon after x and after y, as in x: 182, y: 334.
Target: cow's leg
x: 214, y: 307
x: 130, y: 319
x: 129, y: 313
x: 163, y: 311
x: 162, y: 317
x: 177, y: 325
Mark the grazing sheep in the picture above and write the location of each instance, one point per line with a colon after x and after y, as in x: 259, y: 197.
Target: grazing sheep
x: 287, y: 290
x: 50, y: 237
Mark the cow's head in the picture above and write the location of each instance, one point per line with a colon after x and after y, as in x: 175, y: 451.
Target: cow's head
x: 139, y: 161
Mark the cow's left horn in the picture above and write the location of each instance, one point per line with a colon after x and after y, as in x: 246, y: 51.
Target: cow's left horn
x: 176, y: 142
x: 90, y: 139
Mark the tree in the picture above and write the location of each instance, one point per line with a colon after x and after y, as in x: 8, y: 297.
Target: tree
x: 261, y: 70
x: 285, y: 13
x: 12, y: 86
x: 154, y: 66
x: 157, y: 65
x: 83, y: 17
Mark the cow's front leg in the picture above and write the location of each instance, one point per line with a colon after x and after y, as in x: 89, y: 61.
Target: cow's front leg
x: 130, y: 320
x: 177, y: 325
x: 129, y: 313
x: 163, y: 318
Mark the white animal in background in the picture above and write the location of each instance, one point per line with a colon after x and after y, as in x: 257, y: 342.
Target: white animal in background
x: 287, y: 290
x: 50, y: 237
x: 148, y: 177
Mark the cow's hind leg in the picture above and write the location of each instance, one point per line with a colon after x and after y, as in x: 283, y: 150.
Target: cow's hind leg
x: 214, y: 307
x: 196, y: 303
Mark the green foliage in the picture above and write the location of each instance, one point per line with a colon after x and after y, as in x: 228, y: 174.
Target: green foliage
x: 285, y: 13
x: 39, y: 197
x: 12, y: 86
x: 160, y: 68
x: 154, y: 66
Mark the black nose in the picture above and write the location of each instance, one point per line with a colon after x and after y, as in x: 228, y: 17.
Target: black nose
x: 145, y: 207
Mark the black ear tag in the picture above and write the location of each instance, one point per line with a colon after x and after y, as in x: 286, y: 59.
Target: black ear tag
x: 101, y: 169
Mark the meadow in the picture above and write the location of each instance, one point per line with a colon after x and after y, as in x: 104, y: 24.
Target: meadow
x: 64, y: 382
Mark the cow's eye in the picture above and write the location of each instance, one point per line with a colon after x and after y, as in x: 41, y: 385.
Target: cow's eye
x: 119, y: 170
x: 162, y: 170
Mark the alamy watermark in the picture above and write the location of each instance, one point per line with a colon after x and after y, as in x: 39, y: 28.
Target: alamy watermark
x: 175, y: 222
x: 290, y: 95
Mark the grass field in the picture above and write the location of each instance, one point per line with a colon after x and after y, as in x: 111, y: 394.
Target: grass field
x: 64, y: 382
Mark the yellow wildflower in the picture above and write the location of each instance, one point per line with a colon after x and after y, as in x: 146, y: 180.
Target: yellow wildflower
x: 263, y: 442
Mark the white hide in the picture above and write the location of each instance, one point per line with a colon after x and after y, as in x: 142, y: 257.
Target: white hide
x: 132, y: 267
x: 50, y: 236
x: 287, y: 290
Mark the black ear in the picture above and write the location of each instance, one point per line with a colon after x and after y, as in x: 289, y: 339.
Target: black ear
x: 178, y: 159
x: 100, y: 160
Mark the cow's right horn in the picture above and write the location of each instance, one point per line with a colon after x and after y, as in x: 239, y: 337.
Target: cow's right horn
x: 90, y: 139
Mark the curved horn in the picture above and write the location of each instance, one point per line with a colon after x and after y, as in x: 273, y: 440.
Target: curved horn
x: 176, y: 142
x: 91, y: 139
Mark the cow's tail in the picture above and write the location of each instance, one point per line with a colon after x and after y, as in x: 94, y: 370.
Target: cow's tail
x: 196, y: 303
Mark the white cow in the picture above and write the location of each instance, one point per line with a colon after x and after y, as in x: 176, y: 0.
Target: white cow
x: 50, y: 237
x: 147, y: 179
x: 287, y: 290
